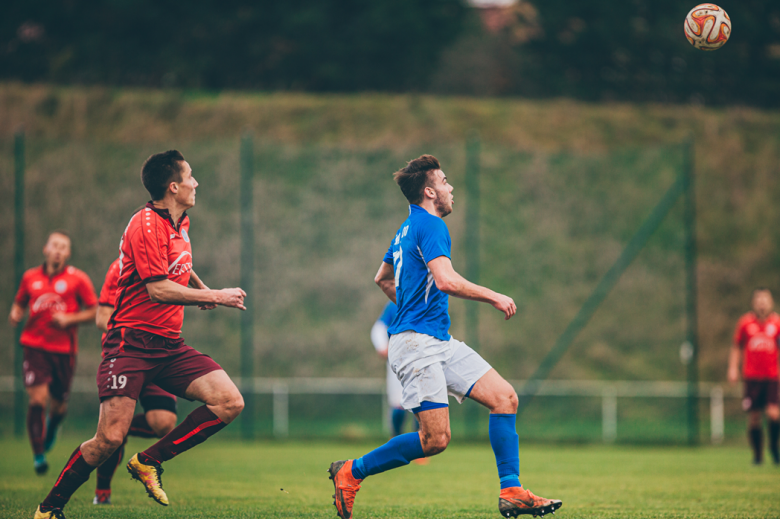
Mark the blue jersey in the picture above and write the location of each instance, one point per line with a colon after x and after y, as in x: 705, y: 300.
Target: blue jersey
x: 388, y: 315
x: 422, y: 307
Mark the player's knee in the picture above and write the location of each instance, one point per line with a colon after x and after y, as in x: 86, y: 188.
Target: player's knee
x: 436, y: 443
x: 773, y: 413
x: 512, y: 401
x: 109, y: 441
x: 163, y: 425
x: 506, y: 401
x: 233, y: 406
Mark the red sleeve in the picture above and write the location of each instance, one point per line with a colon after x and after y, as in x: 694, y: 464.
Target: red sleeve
x: 108, y: 291
x: 149, y: 244
x: 86, y: 292
x: 23, y: 295
x: 740, y: 337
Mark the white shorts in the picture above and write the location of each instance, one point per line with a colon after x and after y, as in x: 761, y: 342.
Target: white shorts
x: 394, y: 389
x: 429, y: 369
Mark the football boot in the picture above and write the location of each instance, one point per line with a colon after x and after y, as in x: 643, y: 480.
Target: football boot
x: 149, y: 475
x: 345, y: 486
x: 51, y: 513
x: 516, y: 501
x: 102, y: 497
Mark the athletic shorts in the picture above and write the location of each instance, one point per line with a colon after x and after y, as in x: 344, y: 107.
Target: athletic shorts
x: 759, y: 394
x: 52, y: 369
x: 394, y: 389
x: 153, y: 397
x: 430, y: 369
x: 133, y: 359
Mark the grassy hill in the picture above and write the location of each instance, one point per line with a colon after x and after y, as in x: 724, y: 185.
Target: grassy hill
x: 564, y: 187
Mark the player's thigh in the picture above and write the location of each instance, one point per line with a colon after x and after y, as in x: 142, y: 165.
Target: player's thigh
x: 495, y: 393
x: 38, y: 394
x: 214, y: 389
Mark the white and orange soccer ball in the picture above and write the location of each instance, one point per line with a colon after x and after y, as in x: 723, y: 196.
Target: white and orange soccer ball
x: 707, y: 27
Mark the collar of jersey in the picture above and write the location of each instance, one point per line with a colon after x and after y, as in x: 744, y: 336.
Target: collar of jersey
x: 61, y: 272
x: 166, y: 215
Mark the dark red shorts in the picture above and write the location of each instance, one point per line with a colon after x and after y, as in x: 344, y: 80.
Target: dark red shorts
x: 52, y: 369
x: 154, y: 397
x: 759, y: 394
x: 133, y: 359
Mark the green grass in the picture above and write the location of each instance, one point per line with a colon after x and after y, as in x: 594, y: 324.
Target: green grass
x: 232, y: 479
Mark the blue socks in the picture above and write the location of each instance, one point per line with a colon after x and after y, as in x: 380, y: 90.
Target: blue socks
x: 506, y: 447
x: 398, y: 452
x: 397, y: 418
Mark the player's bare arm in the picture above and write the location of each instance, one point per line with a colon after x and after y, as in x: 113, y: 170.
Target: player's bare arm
x: 63, y: 320
x: 167, y: 291
x: 16, y: 315
x: 452, y: 283
x: 386, y: 280
x: 197, y: 283
x: 103, y: 316
x: 734, y: 357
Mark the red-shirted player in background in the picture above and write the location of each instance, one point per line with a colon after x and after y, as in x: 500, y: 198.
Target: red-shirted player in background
x: 60, y: 297
x: 755, y: 342
x: 143, y: 344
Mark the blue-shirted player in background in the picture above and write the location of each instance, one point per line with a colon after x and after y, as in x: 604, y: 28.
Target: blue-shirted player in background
x: 417, y: 275
x: 381, y: 342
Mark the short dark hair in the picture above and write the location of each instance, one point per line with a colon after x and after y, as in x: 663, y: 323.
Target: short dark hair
x: 761, y: 289
x: 160, y: 170
x: 415, y: 177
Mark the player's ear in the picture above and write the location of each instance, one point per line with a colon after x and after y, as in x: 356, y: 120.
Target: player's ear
x: 174, y: 187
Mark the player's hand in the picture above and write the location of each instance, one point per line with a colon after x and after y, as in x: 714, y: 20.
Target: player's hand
x: 505, y: 304
x: 16, y: 315
x: 233, y: 298
x: 60, y: 320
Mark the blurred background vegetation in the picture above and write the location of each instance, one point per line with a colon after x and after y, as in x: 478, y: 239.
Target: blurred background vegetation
x: 596, y: 50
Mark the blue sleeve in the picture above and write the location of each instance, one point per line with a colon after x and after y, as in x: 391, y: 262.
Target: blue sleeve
x: 388, y: 315
x: 434, y: 239
x: 389, y: 254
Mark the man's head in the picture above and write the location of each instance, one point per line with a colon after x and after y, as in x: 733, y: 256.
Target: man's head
x: 762, y: 302
x: 57, y: 249
x: 423, y: 180
x: 168, y: 174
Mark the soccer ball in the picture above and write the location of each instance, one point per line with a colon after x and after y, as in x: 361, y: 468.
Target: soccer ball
x: 707, y: 27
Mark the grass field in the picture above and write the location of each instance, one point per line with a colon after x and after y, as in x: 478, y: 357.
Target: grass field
x: 223, y: 479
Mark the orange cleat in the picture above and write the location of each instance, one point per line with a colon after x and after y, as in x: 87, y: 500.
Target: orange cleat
x: 516, y: 501
x: 422, y: 461
x: 345, y: 486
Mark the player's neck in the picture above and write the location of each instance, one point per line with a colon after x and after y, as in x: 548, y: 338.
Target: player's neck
x: 174, y: 209
x: 53, y: 269
x: 762, y: 318
x: 429, y: 206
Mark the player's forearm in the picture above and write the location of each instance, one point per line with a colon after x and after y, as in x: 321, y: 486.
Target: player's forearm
x: 388, y: 287
x: 734, y: 356
x: 168, y: 292
x: 103, y: 316
x: 195, y: 282
x: 458, y: 286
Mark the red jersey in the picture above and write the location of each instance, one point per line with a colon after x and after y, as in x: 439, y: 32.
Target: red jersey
x: 758, y: 340
x: 108, y: 292
x: 65, y: 292
x: 153, y: 248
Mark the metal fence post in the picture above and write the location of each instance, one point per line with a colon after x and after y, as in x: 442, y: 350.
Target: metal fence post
x: 247, y: 282
x: 609, y: 414
x: 472, y: 245
x: 19, y: 410
x: 717, y: 429
x: 281, y: 410
x: 692, y: 335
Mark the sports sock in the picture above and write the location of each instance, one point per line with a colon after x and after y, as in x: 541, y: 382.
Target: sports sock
x: 506, y: 446
x: 398, y: 452
x: 774, y: 436
x: 398, y: 416
x: 756, y: 442
x: 194, y: 430
x: 75, y: 474
x: 52, y: 423
x: 35, y: 428
x: 140, y: 427
x: 106, y: 471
